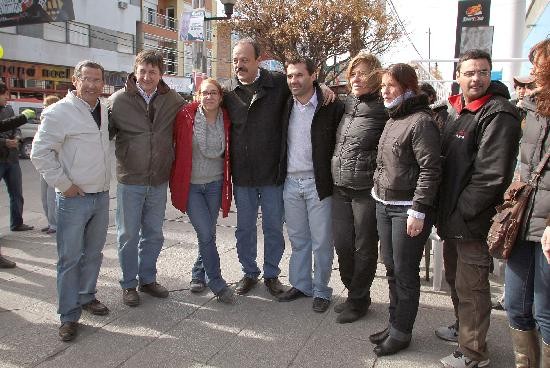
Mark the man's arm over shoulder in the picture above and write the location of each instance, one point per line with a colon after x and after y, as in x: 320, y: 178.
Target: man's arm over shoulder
x: 46, y: 147
x: 493, y: 166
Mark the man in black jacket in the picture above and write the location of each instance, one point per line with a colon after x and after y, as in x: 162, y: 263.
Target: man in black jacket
x: 7, y: 125
x: 309, y: 135
x: 479, y: 144
x: 10, y: 170
x: 255, y: 100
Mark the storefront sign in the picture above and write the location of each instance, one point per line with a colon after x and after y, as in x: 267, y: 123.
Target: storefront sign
x: 26, y: 71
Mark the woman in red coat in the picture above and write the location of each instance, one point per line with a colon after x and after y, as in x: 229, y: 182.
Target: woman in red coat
x: 200, y: 181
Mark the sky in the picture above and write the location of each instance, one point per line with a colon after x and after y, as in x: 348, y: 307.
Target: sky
x: 440, y: 17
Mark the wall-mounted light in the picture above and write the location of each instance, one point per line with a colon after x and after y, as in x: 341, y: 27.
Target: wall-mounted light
x: 227, y: 8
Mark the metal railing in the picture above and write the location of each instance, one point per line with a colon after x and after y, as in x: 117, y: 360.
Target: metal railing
x: 150, y: 16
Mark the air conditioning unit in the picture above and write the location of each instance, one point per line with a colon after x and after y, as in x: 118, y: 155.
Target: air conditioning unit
x: 122, y: 4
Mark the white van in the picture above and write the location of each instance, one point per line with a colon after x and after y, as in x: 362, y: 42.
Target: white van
x: 29, y: 129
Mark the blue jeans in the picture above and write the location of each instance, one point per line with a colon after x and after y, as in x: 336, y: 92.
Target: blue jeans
x: 81, y: 233
x: 203, y: 207
x: 48, y: 203
x: 402, y: 255
x: 527, y: 283
x: 308, y: 223
x: 11, y: 173
x: 139, y: 217
x: 248, y: 200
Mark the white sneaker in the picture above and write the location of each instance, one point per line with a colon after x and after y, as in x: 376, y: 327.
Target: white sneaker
x: 449, y: 333
x: 459, y: 360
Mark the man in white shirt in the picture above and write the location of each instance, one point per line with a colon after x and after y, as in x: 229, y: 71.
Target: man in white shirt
x: 71, y: 152
x: 309, y: 135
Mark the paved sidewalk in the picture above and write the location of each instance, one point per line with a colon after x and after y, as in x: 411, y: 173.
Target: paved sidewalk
x: 188, y: 330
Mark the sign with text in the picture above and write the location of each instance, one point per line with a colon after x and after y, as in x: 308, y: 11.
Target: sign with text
x: 192, y: 26
x: 27, y: 71
x: 471, y: 13
x: 18, y: 12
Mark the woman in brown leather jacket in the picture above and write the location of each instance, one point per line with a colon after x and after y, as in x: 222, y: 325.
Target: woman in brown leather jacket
x: 405, y: 186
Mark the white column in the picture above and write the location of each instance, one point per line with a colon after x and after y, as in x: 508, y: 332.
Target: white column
x: 508, y: 18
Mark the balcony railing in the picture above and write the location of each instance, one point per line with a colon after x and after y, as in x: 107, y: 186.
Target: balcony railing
x: 150, y: 16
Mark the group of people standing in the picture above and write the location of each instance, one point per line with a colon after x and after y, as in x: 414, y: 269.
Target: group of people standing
x: 378, y: 167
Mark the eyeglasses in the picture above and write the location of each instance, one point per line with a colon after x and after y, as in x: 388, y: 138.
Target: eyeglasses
x: 482, y: 73
x: 210, y: 94
x: 90, y: 80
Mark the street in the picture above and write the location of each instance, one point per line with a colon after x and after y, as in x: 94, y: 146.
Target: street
x: 188, y: 330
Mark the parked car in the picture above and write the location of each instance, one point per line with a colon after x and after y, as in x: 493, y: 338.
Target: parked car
x: 29, y: 129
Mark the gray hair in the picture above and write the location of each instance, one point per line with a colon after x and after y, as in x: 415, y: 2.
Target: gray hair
x: 88, y: 64
x: 255, y: 44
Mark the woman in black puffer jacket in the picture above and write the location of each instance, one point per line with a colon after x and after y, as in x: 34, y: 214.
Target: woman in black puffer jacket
x: 353, y: 164
x: 405, y: 187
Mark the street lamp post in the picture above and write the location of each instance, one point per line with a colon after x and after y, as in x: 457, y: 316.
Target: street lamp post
x: 227, y: 8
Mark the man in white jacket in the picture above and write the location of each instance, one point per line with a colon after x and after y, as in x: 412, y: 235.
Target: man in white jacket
x: 71, y: 152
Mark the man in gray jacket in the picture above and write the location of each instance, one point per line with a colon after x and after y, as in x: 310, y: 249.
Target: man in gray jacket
x: 142, y: 117
x: 71, y: 151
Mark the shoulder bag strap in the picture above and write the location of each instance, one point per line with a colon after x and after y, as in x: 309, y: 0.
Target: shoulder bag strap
x: 539, y: 168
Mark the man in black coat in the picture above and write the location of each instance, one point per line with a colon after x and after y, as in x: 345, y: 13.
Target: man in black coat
x: 5, y: 126
x: 309, y: 135
x: 479, y: 147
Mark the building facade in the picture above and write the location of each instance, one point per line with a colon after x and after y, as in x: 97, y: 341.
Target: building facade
x: 39, y: 58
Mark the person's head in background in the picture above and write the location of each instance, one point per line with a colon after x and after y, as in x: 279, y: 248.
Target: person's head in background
x: 521, y: 84
x: 50, y: 100
x: 429, y: 91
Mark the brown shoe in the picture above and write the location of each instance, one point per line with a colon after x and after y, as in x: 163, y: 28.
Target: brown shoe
x: 6, y: 263
x: 130, y: 297
x: 96, y: 307
x: 154, y: 289
x: 274, y: 286
x: 68, y: 330
x: 245, y: 285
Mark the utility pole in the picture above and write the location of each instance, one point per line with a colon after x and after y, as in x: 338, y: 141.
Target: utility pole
x: 429, y: 51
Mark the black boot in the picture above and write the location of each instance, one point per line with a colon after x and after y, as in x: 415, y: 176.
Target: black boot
x: 390, y: 346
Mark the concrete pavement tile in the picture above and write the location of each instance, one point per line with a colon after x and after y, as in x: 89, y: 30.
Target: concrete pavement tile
x: 320, y: 351
x: 13, y: 320
x: 190, y: 340
x: 32, y: 342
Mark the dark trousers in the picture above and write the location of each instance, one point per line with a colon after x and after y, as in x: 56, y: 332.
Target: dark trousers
x: 473, y: 264
x: 402, y: 255
x: 356, y: 242
x: 11, y: 173
x: 450, y: 258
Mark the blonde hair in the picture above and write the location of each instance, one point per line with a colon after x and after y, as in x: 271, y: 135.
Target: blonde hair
x: 50, y: 100
x: 374, y: 79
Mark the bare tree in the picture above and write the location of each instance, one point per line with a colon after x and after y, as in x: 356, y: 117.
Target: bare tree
x: 317, y: 29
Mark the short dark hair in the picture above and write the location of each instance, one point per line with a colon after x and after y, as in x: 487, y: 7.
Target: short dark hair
x: 310, y: 66
x: 255, y: 44
x: 474, y: 54
x: 151, y: 57
x: 3, y: 87
x: 88, y: 64
x: 428, y: 89
x: 405, y: 76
